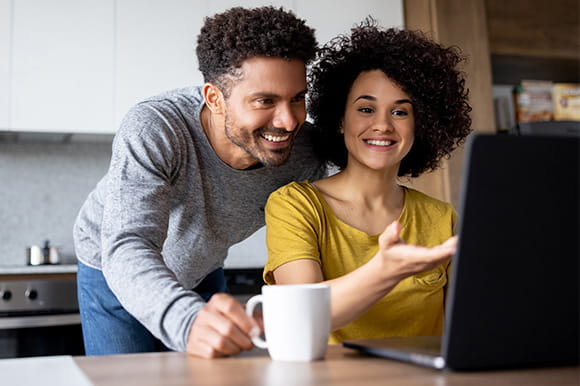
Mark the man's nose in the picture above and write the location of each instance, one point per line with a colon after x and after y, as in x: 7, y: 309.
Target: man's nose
x: 287, y: 118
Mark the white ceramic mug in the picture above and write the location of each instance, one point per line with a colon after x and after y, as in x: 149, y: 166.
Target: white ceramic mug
x: 296, y: 320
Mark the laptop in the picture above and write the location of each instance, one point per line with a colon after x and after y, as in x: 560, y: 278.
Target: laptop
x: 513, y: 296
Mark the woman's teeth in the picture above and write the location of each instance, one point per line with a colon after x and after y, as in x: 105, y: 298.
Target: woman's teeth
x: 276, y: 138
x: 377, y: 142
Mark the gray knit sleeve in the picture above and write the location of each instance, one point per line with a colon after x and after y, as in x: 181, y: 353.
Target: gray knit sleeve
x: 146, y: 155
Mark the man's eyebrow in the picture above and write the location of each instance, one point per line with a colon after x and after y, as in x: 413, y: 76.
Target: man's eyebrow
x: 372, y: 98
x: 271, y: 95
x: 264, y: 94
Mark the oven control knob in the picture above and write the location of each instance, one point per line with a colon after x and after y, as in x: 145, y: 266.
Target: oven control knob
x: 6, y: 295
x: 31, y: 294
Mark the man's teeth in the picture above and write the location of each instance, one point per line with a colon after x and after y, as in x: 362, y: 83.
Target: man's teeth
x: 377, y: 142
x: 275, y: 138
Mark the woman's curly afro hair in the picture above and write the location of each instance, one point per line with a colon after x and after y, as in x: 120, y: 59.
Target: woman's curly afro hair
x: 227, y: 39
x: 422, y: 68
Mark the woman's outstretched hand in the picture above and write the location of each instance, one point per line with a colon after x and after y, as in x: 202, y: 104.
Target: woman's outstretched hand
x: 400, y: 260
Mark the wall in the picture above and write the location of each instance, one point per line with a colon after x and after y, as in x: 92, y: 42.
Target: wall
x: 44, y: 181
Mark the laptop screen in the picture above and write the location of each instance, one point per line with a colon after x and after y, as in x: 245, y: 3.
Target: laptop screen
x: 514, y: 299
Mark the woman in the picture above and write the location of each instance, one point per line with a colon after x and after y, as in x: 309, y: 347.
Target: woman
x: 387, y: 104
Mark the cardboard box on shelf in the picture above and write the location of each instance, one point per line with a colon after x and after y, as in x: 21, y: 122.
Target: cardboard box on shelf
x: 566, y: 100
x: 533, y: 101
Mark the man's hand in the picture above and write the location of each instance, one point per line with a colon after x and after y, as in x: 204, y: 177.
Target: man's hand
x: 221, y: 328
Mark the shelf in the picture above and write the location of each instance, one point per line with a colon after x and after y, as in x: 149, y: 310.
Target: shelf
x: 512, y: 69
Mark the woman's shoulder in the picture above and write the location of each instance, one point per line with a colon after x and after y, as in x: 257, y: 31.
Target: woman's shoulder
x: 295, y: 189
x: 293, y: 198
x: 417, y: 199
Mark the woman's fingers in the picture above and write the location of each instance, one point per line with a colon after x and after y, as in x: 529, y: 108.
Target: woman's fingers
x: 390, y: 236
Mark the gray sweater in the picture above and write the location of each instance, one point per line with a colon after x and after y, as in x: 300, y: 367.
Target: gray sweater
x: 168, y: 209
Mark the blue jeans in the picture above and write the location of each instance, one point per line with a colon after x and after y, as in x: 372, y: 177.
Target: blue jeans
x: 108, y: 328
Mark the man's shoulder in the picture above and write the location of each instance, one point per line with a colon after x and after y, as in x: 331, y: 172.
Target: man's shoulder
x: 171, y: 109
x: 180, y: 96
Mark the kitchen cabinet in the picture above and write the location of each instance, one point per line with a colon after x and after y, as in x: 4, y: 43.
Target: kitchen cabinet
x: 155, y: 49
x: 534, y: 39
x: 215, y: 6
x: 62, y: 65
x: 388, y: 13
x: 505, y: 42
x: 5, y: 48
x: 461, y: 23
x: 78, y: 66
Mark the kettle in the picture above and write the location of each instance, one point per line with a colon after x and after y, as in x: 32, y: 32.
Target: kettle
x: 36, y: 255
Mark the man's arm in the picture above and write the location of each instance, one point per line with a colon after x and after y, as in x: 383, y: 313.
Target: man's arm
x: 134, y: 229
x: 221, y: 328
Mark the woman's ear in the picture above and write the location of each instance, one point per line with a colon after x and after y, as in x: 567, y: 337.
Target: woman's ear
x: 214, y: 99
x: 340, y: 126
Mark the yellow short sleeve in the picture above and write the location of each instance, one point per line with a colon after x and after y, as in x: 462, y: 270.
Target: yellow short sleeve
x: 292, y: 226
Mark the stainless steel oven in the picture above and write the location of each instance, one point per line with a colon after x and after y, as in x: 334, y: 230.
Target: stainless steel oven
x: 39, y: 313
x: 39, y: 316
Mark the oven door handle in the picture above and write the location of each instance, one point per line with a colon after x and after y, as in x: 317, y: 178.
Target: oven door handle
x: 10, y: 322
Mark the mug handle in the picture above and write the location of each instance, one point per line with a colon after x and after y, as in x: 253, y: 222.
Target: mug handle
x: 250, y: 305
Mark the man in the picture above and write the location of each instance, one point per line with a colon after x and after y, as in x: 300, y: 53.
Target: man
x: 190, y: 172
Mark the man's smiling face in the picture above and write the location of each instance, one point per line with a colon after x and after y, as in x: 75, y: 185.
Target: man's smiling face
x: 266, y: 108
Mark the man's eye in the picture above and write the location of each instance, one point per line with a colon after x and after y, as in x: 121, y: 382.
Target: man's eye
x: 265, y: 101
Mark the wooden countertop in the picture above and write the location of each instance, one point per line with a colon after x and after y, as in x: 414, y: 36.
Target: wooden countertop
x: 341, y: 367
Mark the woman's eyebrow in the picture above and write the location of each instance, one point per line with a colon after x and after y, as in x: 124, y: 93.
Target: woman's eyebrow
x: 372, y: 98
x: 367, y: 97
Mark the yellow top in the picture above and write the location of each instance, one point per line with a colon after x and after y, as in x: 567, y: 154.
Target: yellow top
x: 301, y: 225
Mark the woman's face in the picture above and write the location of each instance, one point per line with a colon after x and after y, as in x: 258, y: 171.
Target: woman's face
x: 378, y: 122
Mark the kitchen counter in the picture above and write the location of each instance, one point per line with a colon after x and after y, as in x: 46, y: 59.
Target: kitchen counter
x: 341, y: 367
x: 27, y: 270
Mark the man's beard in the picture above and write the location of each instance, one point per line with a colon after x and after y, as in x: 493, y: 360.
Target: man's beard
x: 249, y: 142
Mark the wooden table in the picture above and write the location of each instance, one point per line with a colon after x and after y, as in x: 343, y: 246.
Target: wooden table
x: 340, y: 367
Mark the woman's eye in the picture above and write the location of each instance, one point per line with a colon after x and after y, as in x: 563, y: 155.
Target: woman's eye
x: 366, y: 110
x: 400, y: 113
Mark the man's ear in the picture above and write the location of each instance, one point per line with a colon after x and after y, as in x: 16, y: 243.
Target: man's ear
x: 214, y: 99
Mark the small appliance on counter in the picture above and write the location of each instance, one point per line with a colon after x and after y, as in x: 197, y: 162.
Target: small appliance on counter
x: 36, y: 255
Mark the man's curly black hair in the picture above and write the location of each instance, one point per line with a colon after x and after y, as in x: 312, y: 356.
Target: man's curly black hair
x: 424, y: 69
x: 227, y: 39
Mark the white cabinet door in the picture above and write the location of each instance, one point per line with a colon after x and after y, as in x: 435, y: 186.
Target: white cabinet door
x: 217, y: 6
x: 155, y: 49
x: 5, y: 55
x: 339, y: 16
x: 62, y: 66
